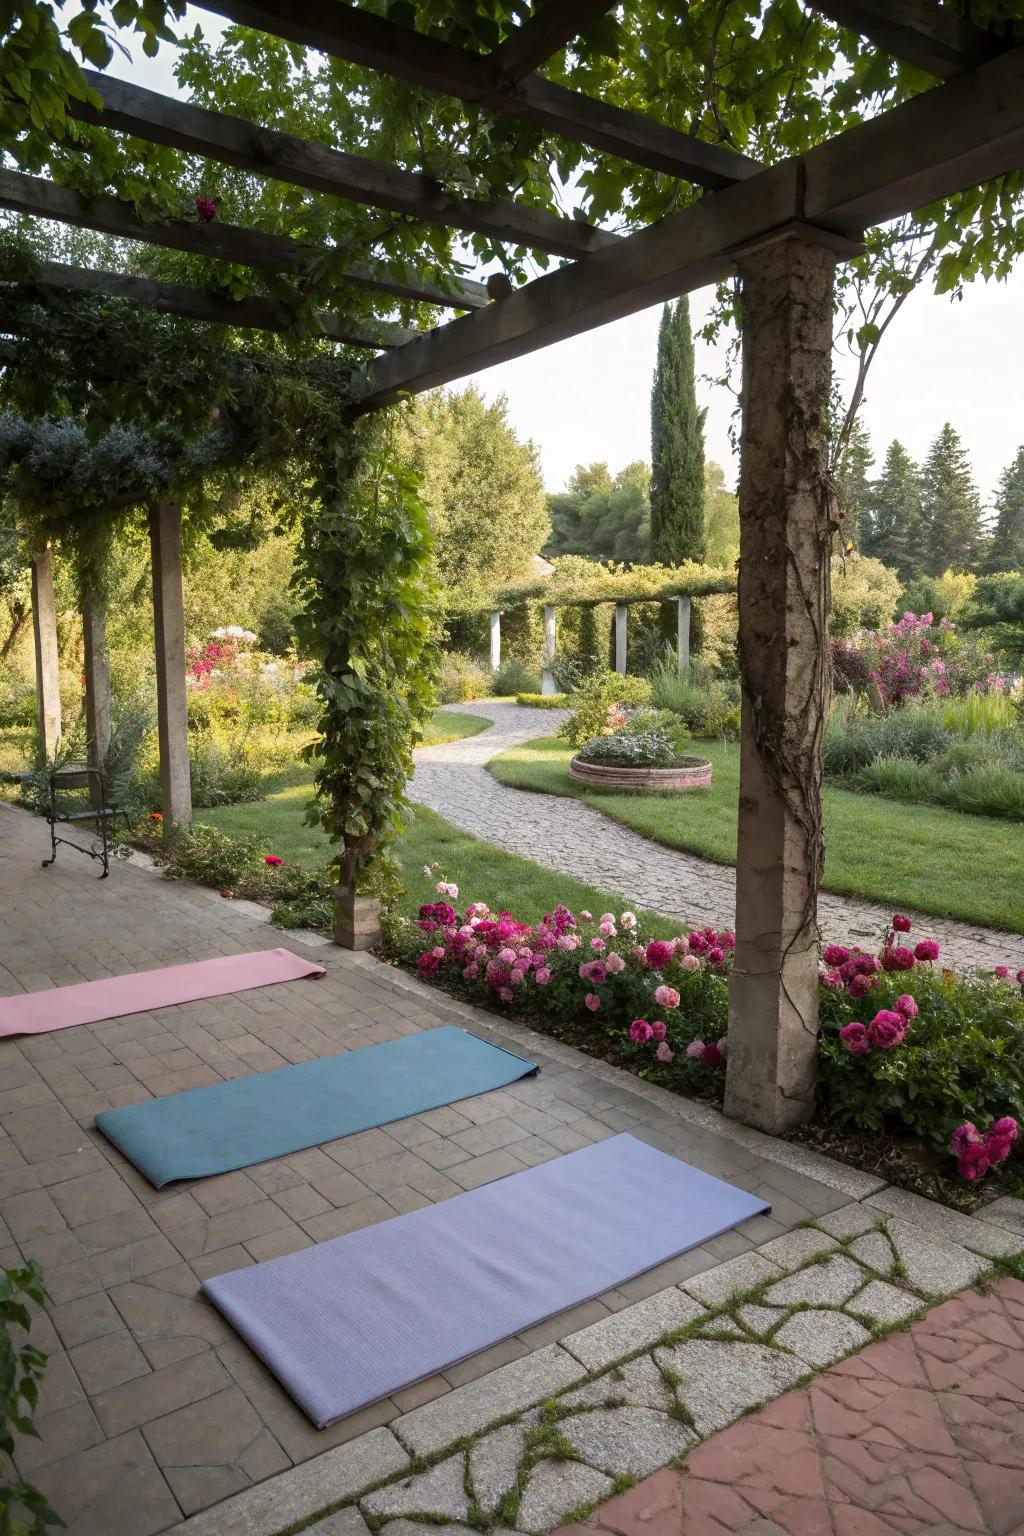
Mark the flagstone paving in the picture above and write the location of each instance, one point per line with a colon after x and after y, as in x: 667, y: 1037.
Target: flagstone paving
x: 574, y: 838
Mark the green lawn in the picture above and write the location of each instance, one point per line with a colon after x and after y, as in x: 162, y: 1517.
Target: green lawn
x: 968, y: 867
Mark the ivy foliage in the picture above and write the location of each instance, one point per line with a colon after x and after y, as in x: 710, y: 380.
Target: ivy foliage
x: 582, y: 583
x: 23, y: 1509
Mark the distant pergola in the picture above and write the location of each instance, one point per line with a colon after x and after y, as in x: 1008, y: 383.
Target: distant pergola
x: 781, y: 228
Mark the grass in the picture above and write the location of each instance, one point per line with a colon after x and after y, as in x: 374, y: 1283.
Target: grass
x: 938, y: 861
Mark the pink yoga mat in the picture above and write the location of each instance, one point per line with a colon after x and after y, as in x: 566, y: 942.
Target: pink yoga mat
x: 89, y: 1002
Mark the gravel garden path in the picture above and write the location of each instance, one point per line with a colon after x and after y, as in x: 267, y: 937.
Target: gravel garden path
x: 569, y: 836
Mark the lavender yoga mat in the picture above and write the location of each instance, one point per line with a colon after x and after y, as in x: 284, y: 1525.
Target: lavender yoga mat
x: 355, y: 1319
x: 89, y: 1002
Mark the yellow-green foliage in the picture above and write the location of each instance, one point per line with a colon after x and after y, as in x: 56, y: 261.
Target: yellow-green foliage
x: 865, y: 594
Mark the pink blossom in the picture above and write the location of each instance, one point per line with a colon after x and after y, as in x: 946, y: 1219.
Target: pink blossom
x: 907, y: 1006
x: 471, y: 971
x: 586, y: 917
x: 1002, y: 971
x: 515, y: 976
x: 714, y: 1054
x: 887, y: 1029
x: 962, y: 1137
x: 1007, y: 1126
x: 727, y: 939
x: 659, y: 1029
x: 438, y: 951
x: 639, y: 955
x: 628, y: 920
x: 666, y: 997
x: 900, y: 923
x: 1020, y: 977
x: 206, y: 209
x: 682, y: 946
x: 597, y: 945
x: 716, y: 957
x: 665, y: 1053
x: 608, y: 930
x: 607, y: 917
x: 506, y: 994
x: 690, y: 963
x: 592, y: 1001
x: 855, y: 1038
x: 659, y: 952
x: 507, y: 956
x: 831, y: 979
x: 567, y: 942
x: 695, y: 1050
x: 614, y: 964
x: 896, y: 958
x: 542, y: 976
x: 428, y: 964
x: 835, y: 954
x: 640, y: 1032
x: 860, y: 986
x: 926, y: 950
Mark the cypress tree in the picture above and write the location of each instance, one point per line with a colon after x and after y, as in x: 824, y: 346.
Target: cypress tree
x: 677, y: 444
x: 951, y: 506
x: 854, y: 488
x: 1006, y: 552
x: 896, y: 521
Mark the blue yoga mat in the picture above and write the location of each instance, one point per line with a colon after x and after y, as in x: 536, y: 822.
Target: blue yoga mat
x: 250, y: 1119
x: 352, y: 1320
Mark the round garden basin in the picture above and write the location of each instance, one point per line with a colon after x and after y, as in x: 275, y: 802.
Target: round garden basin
x: 688, y: 773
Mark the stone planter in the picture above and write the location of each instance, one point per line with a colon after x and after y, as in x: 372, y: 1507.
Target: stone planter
x: 689, y: 773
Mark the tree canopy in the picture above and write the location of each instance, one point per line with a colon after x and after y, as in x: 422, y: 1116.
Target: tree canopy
x: 1006, y: 551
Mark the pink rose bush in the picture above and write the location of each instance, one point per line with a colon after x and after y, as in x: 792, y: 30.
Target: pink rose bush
x: 976, y: 1152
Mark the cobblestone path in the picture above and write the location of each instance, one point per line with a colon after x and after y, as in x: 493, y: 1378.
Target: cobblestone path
x: 571, y: 837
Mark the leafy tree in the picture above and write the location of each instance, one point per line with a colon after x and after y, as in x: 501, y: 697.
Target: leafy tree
x: 721, y: 519
x: 677, y: 444
x: 601, y: 517
x: 998, y: 608
x: 1006, y: 551
x: 895, y: 523
x: 854, y: 486
x: 950, y: 506
x: 565, y: 508
x: 482, y: 488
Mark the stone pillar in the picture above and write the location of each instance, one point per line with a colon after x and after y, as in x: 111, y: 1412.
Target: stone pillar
x: 495, y: 641
x: 785, y: 538
x: 547, y: 684
x: 44, y: 629
x: 683, y: 633
x: 356, y: 919
x: 97, y: 683
x: 169, y: 636
x: 621, y: 620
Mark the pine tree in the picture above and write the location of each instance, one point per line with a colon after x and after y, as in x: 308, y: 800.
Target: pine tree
x: 677, y: 444
x: 1006, y: 552
x: 895, y: 520
x: 951, y: 506
x: 854, y: 487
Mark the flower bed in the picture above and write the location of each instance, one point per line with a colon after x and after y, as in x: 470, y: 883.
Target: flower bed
x: 687, y: 773
x: 925, y: 1057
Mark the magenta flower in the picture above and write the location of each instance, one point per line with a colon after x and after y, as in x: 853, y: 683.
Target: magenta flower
x: 428, y: 964
x: 206, y: 210
x: 666, y: 997
x: 831, y: 979
x: 926, y: 950
x: 900, y: 923
x: 592, y: 1001
x: 714, y: 1054
x: 963, y: 1136
x: 471, y: 971
x: 1002, y: 971
x: 659, y: 1029
x: 887, y: 1029
x: 860, y: 986
x: 542, y: 976
x: 640, y: 1032
x: 855, y: 1038
x: 716, y: 957
x: 835, y: 954
x: 906, y: 1005
x: 695, y: 1050
x: 658, y: 953
x: 895, y: 958
x: 597, y: 945
x: 272, y: 860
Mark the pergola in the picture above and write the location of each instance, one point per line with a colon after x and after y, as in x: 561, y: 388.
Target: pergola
x: 781, y: 228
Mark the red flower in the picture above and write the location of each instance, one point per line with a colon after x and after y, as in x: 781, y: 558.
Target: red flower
x: 273, y: 860
x: 926, y: 950
x: 900, y: 923
x: 206, y: 210
x: 835, y: 955
x: 225, y: 893
x: 155, y: 816
x: 887, y: 1029
x: 896, y: 958
x: 855, y: 1039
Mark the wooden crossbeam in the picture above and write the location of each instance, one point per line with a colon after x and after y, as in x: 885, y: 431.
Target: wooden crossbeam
x: 222, y: 242
x: 553, y: 24
x: 930, y: 36
x: 175, y: 299
x: 361, y: 37
x: 285, y: 157
x: 939, y: 143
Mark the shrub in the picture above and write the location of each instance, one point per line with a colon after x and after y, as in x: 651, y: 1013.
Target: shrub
x: 17, y: 700
x: 911, y: 659
x: 462, y: 678
x: 23, y: 1509
x: 709, y: 706
x: 630, y: 749
x: 864, y: 594
x: 514, y: 676
x: 543, y: 700
x: 599, y: 705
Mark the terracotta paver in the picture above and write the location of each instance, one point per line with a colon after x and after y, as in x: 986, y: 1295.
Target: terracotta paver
x: 922, y: 1432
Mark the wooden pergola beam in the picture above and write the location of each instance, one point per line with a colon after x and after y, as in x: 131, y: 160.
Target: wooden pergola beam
x: 553, y: 24
x: 221, y: 242
x: 175, y: 299
x: 939, y: 143
x: 299, y: 162
x: 930, y: 36
x: 361, y: 37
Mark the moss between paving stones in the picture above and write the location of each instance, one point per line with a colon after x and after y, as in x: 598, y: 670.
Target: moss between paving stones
x: 545, y: 1442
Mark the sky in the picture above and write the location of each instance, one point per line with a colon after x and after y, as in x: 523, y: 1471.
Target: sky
x: 588, y: 398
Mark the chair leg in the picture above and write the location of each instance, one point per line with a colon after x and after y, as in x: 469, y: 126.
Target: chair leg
x: 52, y: 819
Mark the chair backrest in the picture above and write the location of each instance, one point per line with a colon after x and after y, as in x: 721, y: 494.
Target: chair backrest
x: 74, y: 777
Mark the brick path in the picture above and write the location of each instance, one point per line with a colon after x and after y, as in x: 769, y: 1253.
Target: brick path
x: 922, y: 1432
x: 572, y: 837
x: 152, y: 1408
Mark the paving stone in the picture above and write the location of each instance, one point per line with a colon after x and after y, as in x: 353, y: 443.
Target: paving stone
x: 441, y: 1491
x: 715, y: 1286
x: 827, y: 1284
x: 637, y: 1383
x: 344, y: 1522
x: 422, y: 1528
x: 108, y: 1361
x: 626, y: 1441
x: 513, y: 1387
x: 114, y: 1487
x: 849, y: 1220
x: 884, y: 1303
x: 821, y: 1337
x: 214, y: 1448
x: 719, y: 1381
x: 494, y: 1463
x: 556, y: 1489
x: 1006, y: 1212
x: 760, y: 1320
x: 722, y: 1328
x: 937, y: 1269
x: 941, y: 1224
x: 875, y: 1250
x: 796, y: 1247
x: 291, y: 1497
x: 633, y: 1328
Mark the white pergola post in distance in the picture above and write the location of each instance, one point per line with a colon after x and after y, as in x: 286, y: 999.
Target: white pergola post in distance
x: 97, y: 683
x: 495, y: 640
x: 785, y: 538
x: 169, y: 638
x: 547, y: 684
x: 621, y: 621
x: 44, y: 631
x: 683, y: 634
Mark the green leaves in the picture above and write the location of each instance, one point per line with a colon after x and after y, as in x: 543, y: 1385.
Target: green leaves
x: 21, y: 1369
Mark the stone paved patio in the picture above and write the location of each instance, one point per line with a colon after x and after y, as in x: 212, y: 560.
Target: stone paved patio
x: 152, y: 1409
x: 577, y: 840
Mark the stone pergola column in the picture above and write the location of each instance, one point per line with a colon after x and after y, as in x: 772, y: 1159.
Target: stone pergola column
x: 621, y: 622
x: 97, y: 681
x: 169, y: 637
x: 44, y: 630
x: 783, y: 607
x: 547, y: 683
x: 683, y: 634
x: 495, y: 641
